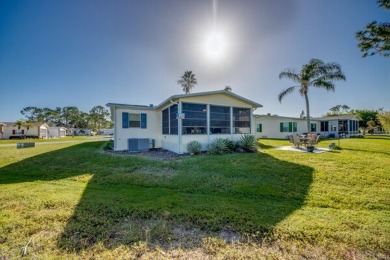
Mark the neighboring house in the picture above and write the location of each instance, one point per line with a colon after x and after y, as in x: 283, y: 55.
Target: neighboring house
x: 77, y: 131
x: 274, y: 126
x: 339, y: 126
x: 1, y: 130
x: 106, y: 131
x: 37, y: 130
x: 57, y: 132
x: 182, y: 118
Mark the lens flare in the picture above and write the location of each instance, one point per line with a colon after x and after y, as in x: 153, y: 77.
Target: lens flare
x: 215, y: 46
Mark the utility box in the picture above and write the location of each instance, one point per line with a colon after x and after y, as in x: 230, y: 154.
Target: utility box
x: 24, y: 145
x: 138, y: 144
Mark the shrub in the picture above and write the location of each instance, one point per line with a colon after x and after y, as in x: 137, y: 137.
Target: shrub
x: 109, y: 145
x: 248, y: 143
x: 194, y: 147
x: 230, y: 145
x: 217, y: 147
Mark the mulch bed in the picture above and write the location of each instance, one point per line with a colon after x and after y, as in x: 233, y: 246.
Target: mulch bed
x: 161, y: 154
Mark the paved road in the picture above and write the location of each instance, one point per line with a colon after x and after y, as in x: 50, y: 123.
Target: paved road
x: 61, y: 142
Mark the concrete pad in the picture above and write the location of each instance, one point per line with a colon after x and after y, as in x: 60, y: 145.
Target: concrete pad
x: 302, y: 149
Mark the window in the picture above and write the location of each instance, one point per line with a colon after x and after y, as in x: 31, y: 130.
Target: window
x: 288, y: 127
x: 173, y: 122
x: 132, y: 120
x: 241, y: 120
x: 219, y: 120
x: 259, y: 128
x: 313, y: 127
x: 195, y: 121
x: 324, y: 126
x: 169, y: 120
x: 343, y: 126
x: 333, y: 127
x: 165, y: 121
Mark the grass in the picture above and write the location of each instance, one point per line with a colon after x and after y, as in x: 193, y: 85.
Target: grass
x: 62, y: 139
x: 74, y: 200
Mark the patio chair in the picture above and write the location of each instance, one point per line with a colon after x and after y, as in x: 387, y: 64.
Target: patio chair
x: 297, y: 141
x: 290, y: 139
x: 313, y: 140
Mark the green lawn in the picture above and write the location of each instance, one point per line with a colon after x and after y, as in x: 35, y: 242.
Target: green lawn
x: 62, y: 139
x: 75, y: 200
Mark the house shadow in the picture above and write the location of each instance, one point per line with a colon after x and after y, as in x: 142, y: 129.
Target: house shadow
x: 167, y: 203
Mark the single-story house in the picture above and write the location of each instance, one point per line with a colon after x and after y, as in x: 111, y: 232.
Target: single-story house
x: 109, y: 131
x: 57, y: 132
x: 36, y: 130
x: 181, y: 119
x: 274, y: 126
x: 79, y: 131
x: 339, y: 126
x: 1, y: 130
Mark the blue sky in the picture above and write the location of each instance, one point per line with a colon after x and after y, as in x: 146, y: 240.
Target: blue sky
x: 87, y: 53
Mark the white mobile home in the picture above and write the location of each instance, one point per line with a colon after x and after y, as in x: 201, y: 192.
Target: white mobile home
x: 180, y: 119
x: 35, y: 130
x: 109, y: 131
x: 1, y: 130
x: 57, y: 132
x: 274, y: 126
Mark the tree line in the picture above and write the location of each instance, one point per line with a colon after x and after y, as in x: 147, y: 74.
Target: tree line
x: 69, y: 117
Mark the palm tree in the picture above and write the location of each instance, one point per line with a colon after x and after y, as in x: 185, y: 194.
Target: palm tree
x: 187, y: 81
x: 316, y: 74
x: 21, y: 123
x: 228, y: 88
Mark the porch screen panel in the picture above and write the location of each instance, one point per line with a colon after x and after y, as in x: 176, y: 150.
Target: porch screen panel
x: 165, y: 121
x: 195, y: 121
x: 173, y: 119
x: 219, y: 120
x: 242, y: 120
x: 324, y: 126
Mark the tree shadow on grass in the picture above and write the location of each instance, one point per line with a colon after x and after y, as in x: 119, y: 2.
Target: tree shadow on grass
x: 130, y: 199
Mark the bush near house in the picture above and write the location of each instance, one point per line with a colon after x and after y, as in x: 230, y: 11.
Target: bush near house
x: 194, y: 147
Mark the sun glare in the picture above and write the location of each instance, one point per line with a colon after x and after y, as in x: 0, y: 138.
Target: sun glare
x: 215, y: 46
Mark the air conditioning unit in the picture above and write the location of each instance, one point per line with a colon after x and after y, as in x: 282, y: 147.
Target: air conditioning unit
x: 138, y: 144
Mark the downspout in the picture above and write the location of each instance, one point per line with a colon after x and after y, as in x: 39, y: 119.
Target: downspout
x: 179, y: 125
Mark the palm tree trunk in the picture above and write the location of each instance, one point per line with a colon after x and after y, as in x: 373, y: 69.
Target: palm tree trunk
x: 307, y: 113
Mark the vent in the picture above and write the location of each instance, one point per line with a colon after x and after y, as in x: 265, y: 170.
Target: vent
x: 138, y: 144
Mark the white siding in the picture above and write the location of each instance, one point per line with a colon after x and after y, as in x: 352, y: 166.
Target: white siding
x: 55, y: 132
x: 152, y: 131
x: 37, y: 131
x: 271, y: 126
x: 216, y: 99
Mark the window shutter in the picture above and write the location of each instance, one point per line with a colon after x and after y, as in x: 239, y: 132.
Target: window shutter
x: 281, y: 127
x: 143, y: 120
x: 290, y: 127
x: 13, y: 132
x: 315, y: 127
x: 125, y: 120
x: 261, y: 127
x: 295, y: 127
